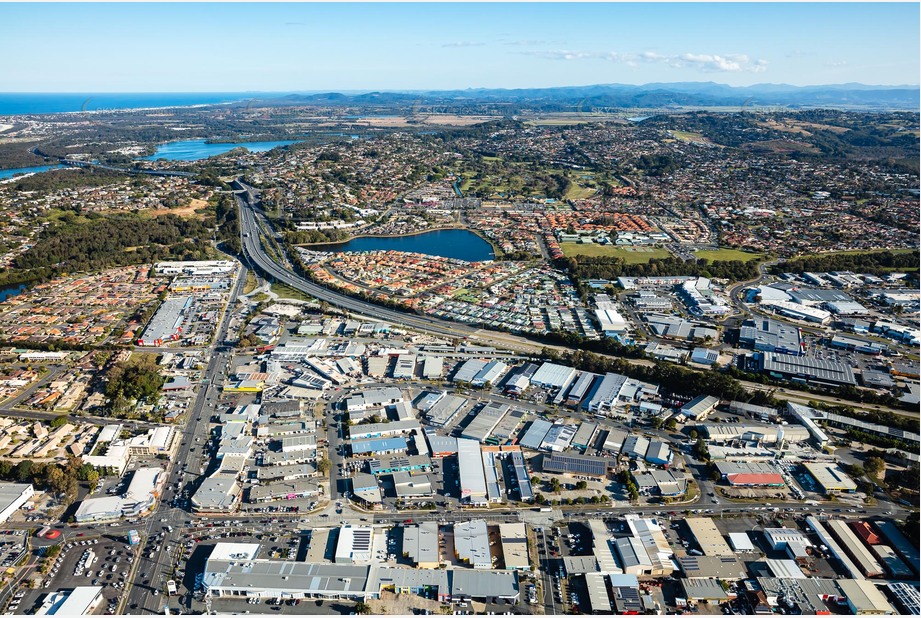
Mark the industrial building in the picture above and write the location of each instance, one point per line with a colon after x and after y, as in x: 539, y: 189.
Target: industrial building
x: 522, y: 479
x: 767, y: 335
x: 864, y: 598
x: 471, y: 544
x: 708, y: 537
x: 505, y: 428
x: 420, y: 542
x: 469, y: 370
x: 472, y: 475
x: 552, y: 376
x: 558, y: 437
x: 514, y: 539
x: 78, y: 601
x: 805, y: 369
x: 405, y: 367
x: 489, y: 374
x: 482, y: 425
x: 635, y: 447
x: 166, y: 324
x: 750, y: 474
x: 900, y: 543
x: 700, y: 407
x: 583, y: 466
x: 445, y: 410
x: 862, y: 557
x: 355, y: 545
x: 534, y: 436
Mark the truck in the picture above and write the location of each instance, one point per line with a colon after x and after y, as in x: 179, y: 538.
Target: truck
x: 171, y: 588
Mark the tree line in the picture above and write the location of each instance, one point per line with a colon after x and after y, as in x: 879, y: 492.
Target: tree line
x: 873, y: 263
x: 60, y: 479
x: 611, y: 267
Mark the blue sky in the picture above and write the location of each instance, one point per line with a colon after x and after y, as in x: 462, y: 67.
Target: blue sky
x: 305, y: 47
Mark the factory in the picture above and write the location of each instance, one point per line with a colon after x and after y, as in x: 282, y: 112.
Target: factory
x: 805, y: 369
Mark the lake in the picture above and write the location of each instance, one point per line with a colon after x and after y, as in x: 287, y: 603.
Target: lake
x: 195, y: 149
x: 27, y: 170
x: 457, y: 244
x: 12, y: 290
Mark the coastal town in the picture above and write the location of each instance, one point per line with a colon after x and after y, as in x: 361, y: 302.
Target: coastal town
x: 615, y: 366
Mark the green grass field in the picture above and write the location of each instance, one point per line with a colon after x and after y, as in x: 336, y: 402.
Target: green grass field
x: 728, y: 255
x: 632, y: 255
x: 286, y: 291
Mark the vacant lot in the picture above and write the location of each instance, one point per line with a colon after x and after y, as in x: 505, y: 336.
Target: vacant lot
x: 631, y: 255
x: 728, y: 255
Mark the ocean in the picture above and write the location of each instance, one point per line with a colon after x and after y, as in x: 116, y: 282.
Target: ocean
x: 12, y: 104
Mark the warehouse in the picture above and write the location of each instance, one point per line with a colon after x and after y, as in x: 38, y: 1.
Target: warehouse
x: 614, y: 441
x: 505, y: 429
x: 383, y: 430
x: 558, y: 437
x: 805, y: 369
x: 864, y: 598
x: 534, y: 436
x: 166, y: 324
x: 469, y: 370
x: 626, y: 597
x: 376, y: 398
x: 482, y: 425
x: 405, y: 367
x: 674, y: 327
x: 792, y: 541
x: 78, y: 601
x: 767, y: 335
x: 471, y: 544
x: 355, y: 545
x: 654, y: 541
x: 741, y: 542
x: 584, y: 436
x: 283, y: 490
x: 432, y: 367
x: 742, y: 474
x: 525, y: 492
x: 805, y: 416
x: 798, y: 312
x: 472, y: 475
x: 581, y: 388
x: 420, y: 542
x: 708, y: 537
x: 899, y: 543
x: 428, y: 400
x: 514, y: 539
x: 489, y: 374
x: 894, y: 565
x: 658, y: 453
x: 366, y: 489
x: 445, y: 410
x: 712, y: 567
x: 700, y: 407
x: 441, y: 446
x: 907, y: 597
x: 605, y: 395
x: 398, y: 463
x: 829, y: 541
x: 583, y: 466
x: 634, y: 560
x: 379, y: 446
x: 855, y: 549
x: 598, y: 600
x: 412, y: 487
x: 553, y: 376
x: 830, y: 477
x: 704, y: 590
x: 808, y: 597
x: 635, y: 447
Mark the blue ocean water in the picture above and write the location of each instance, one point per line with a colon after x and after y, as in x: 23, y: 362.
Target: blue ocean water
x: 458, y: 244
x: 195, y: 149
x: 27, y: 170
x: 50, y: 103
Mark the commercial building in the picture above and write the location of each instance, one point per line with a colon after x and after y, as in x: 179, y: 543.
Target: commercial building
x: 405, y: 367
x: 383, y: 430
x: 635, y: 447
x: 658, y: 453
x: 489, y: 374
x: 895, y: 567
x: 750, y: 474
x: 712, y: 567
x: 654, y: 542
x: 412, y: 487
x: 798, y: 312
x: 792, y: 541
x: 741, y: 542
x: 283, y: 490
x: 598, y: 600
x: 514, y: 539
x: 829, y: 541
x: 907, y: 597
x: 366, y: 489
x: 166, y: 324
x: 469, y: 370
x: 767, y: 335
x: 139, y: 498
x: 376, y: 398
x: 708, y: 537
x: 219, y: 493
x: 830, y: 477
x: 78, y: 601
x: 398, y: 463
x: 558, y: 437
x: 12, y: 497
x: 673, y: 327
x: 432, y: 367
x: 355, y: 545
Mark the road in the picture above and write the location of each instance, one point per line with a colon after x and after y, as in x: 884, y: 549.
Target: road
x: 157, y: 564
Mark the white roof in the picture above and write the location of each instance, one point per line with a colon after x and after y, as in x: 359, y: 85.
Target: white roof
x: 740, y: 541
x: 234, y: 551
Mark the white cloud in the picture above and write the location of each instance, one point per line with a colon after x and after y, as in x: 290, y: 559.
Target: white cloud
x: 708, y: 63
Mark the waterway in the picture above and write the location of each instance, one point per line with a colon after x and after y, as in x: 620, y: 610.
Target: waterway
x: 27, y: 170
x: 196, y: 149
x: 11, y: 291
x: 457, y: 244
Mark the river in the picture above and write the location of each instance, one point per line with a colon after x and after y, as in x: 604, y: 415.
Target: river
x: 27, y: 170
x: 457, y: 244
x: 196, y: 149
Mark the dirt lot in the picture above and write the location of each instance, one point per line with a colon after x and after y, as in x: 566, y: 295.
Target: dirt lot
x: 185, y: 211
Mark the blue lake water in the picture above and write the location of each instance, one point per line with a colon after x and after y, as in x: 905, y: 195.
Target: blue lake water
x: 458, y: 244
x: 195, y: 149
x: 27, y: 170
x: 50, y: 103
x: 12, y: 290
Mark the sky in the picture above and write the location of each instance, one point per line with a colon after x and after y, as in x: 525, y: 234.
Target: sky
x: 239, y: 47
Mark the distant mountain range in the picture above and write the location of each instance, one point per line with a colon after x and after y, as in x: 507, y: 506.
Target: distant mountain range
x: 655, y: 95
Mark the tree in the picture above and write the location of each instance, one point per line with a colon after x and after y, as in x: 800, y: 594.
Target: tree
x: 874, y: 467
x: 581, y: 485
x: 323, y: 465
x: 362, y: 608
x: 555, y: 485
x: 693, y: 433
x: 58, y: 421
x: 671, y: 424
x: 656, y: 422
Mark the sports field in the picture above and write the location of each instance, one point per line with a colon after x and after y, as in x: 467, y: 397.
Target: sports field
x: 728, y: 255
x: 631, y: 255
